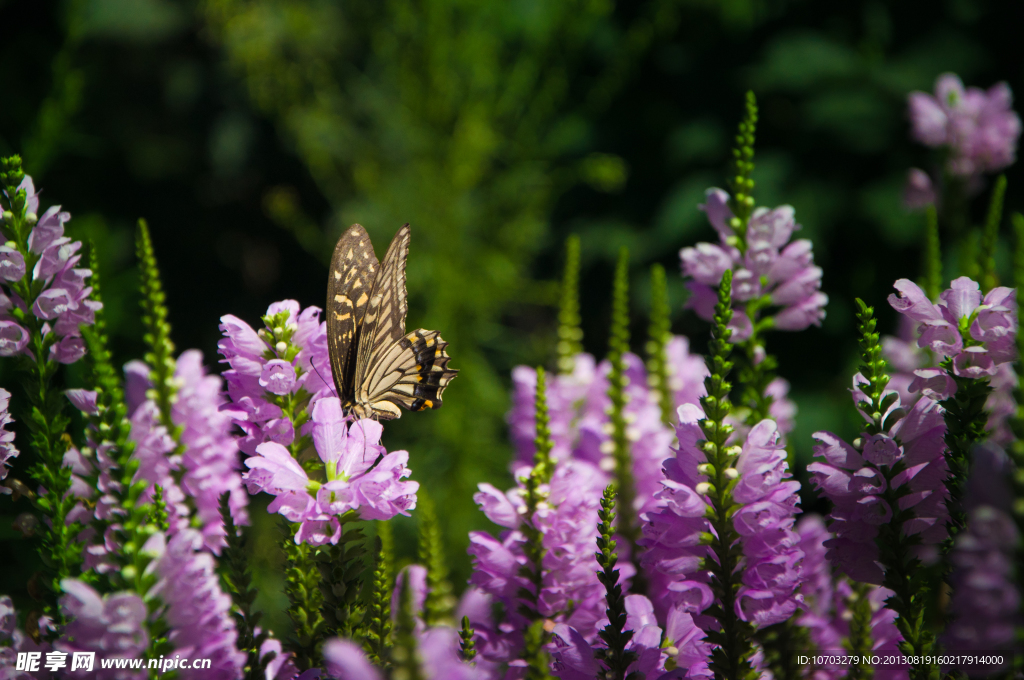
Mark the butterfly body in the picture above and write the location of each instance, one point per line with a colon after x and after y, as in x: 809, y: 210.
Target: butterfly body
x: 377, y: 366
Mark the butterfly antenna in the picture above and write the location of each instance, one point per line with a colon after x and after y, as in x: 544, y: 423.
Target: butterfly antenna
x: 329, y: 384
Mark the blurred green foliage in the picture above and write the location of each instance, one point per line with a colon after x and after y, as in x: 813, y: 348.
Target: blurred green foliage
x: 251, y: 132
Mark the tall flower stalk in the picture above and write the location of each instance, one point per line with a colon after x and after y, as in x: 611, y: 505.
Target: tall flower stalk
x: 888, y: 495
x: 731, y: 656
x: 43, y: 302
x: 618, y: 347
x: 973, y: 334
x: 570, y: 335
x: 659, y: 335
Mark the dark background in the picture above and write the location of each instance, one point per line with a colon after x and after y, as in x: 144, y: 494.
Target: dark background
x: 250, y: 133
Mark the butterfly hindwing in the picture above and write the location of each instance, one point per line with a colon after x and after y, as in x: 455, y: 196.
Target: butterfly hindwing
x: 411, y: 373
x: 354, y: 269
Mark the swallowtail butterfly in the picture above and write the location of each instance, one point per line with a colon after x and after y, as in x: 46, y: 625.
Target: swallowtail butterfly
x: 377, y: 366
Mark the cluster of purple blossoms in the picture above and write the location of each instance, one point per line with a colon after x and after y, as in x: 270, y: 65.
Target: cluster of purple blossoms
x: 7, y: 448
x: 197, y: 611
x: 113, y: 626
x: 580, y: 426
x: 13, y: 640
x: 826, y: 613
x: 573, y: 657
x: 977, y: 128
x: 905, y: 358
x: 286, y: 361
x: 437, y: 647
x: 62, y: 302
x: 210, y: 457
x: 766, y: 267
x: 672, y: 533
x: 856, y: 479
x: 977, y: 333
x: 361, y: 476
x: 985, y: 599
x: 206, y: 467
x: 570, y: 592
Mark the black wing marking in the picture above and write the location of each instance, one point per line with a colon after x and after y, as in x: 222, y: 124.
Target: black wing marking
x: 412, y: 373
x: 354, y: 268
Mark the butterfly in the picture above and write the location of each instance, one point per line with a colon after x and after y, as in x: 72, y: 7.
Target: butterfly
x: 377, y: 366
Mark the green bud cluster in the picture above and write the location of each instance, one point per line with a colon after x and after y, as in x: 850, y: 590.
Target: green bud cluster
x: 570, y: 334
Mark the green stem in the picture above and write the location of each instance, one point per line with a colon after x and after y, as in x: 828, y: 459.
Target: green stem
x: 405, y: 653
x: 1016, y: 422
x: 160, y: 357
x: 966, y: 420
x: 859, y: 643
x: 59, y: 549
x: 341, y: 580
x: 903, y: 573
x: 305, y: 600
x: 731, y: 656
x: 932, y: 255
x: 618, y: 347
x: 570, y: 335
x: 990, y: 236
x: 237, y: 581
x: 658, y: 334
x: 440, y: 602
x: 378, y: 626
x: 614, y: 635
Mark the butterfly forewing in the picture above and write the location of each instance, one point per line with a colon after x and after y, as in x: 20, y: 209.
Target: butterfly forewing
x: 354, y: 269
x: 384, y: 322
x: 394, y: 369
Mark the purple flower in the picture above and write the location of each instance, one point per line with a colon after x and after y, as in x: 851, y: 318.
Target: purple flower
x: 153, y: 449
x: 978, y: 333
x: 764, y: 522
x: 566, y: 395
x: 210, y: 457
x: 686, y: 372
x: 772, y: 555
x: 13, y: 338
x: 671, y: 532
x: 197, y: 611
x: 827, y: 601
x: 113, y: 626
x: 345, y: 660
x: 287, y: 357
x: 911, y: 378
x: 209, y: 451
x: 361, y: 476
x: 13, y: 640
x: 12, y: 264
x: 979, y: 128
x: 855, y: 479
x: 437, y: 650
x: 8, y: 450
x: 61, y: 295
x: 767, y: 268
x: 985, y: 598
x: 919, y: 192
x: 570, y: 592
x: 282, y: 666
x: 578, y: 408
